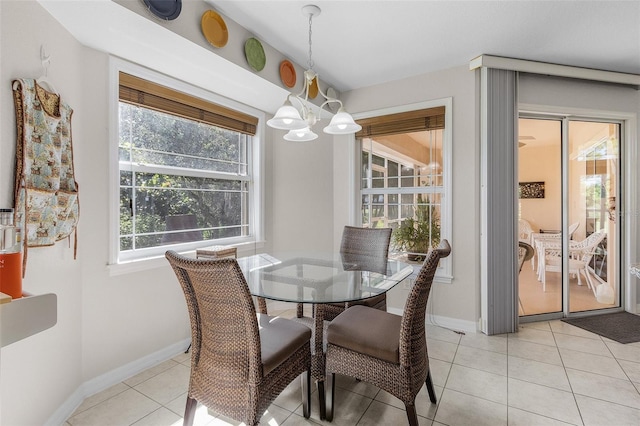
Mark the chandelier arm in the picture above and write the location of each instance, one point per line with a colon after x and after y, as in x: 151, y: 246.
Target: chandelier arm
x: 300, y: 101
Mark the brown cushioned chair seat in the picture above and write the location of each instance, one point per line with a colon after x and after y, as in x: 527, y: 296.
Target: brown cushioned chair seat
x: 368, y: 331
x: 279, y: 338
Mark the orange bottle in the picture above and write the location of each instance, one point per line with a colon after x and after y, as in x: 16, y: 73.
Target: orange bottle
x: 11, y: 274
x: 10, y: 256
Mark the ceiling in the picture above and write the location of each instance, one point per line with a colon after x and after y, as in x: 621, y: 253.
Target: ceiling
x: 359, y: 43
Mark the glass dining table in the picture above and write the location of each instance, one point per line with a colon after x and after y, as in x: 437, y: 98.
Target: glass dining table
x: 319, y: 278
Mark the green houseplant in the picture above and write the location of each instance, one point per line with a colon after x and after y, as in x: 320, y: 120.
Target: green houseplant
x: 417, y: 234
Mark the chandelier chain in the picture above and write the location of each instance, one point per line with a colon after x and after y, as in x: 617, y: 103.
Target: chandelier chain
x: 310, y: 63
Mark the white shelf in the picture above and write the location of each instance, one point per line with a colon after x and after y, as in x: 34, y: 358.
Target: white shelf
x: 27, y: 316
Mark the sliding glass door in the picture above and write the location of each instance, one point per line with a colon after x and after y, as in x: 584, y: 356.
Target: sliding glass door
x: 569, y: 187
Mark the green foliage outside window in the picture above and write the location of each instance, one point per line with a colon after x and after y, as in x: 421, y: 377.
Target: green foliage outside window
x: 164, y: 163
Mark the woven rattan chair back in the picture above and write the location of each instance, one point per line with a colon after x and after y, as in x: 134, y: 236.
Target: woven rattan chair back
x: 365, y: 241
x: 404, y: 378
x: 413, y: 343
x: 226, y: 364
x: 365, y: 249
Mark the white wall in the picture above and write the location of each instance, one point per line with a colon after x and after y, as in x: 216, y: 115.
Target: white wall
x: 103, y: 322
x: 39, y: 373
x: 108, y: 323
x: 458, y: 301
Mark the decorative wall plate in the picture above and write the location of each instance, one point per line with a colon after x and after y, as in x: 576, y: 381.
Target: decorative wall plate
x: 254, y: 53
x: 333, y: 106
x: 287, y: 73
x: 313, y: 88
x: 214, y: 28
x: 164, y: 9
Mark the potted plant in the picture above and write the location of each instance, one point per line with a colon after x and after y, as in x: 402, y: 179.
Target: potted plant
x: 417, y: 234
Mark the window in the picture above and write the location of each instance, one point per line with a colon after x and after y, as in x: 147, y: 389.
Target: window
x: 186, y: 171
x: 405, y: 177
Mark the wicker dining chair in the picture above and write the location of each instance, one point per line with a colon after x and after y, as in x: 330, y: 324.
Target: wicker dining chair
x: 365, y: 249
x: 386, y: 350
x: 241, y: 360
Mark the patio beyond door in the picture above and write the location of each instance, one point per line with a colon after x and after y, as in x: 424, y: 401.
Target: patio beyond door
x: 568, y: 173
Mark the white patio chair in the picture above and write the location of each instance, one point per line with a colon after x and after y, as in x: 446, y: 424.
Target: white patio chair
x: 580, y: 254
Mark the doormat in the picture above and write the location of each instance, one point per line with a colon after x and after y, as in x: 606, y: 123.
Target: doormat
x: 622, y: 327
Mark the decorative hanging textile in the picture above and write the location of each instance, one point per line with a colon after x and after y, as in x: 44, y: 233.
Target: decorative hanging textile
x: 46, y: 193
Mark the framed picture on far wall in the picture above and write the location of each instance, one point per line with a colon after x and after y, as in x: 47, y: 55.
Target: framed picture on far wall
x: 531, y: 190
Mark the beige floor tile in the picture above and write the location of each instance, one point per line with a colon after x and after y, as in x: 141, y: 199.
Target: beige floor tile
x: 123, y: 409
x: 493, y: 362
x: 380, y: 413
x: 524, y: 418
x: 101, y: 396
x: 562, y: 327
x: 538, y: 325
x: 481, y: 384
x: 605, y: 388
x: 596, y: 412
x: 150, y: 372
x: 607, y: 366
x: 356, y: 386
x: 440, y: 333
x: 183, y: 358
x: 177, y: 405
x: 534, y: 351
x: 543, y: 400
x: 459, y: 409
x: 291, y: 397
x: 296, y: 420
x: 627, y: 352
x: 166, y: 386
x: 424, y: 406
x: 274, y: 416
x: 538, y: 372
x: 349, y: 408
x: 488, y: 343
x: 439, y: 349
x: 533, y: 335
x: 439, y: 371
x: 160, y: 417
x: 632, y: 369
x: 582, y: 344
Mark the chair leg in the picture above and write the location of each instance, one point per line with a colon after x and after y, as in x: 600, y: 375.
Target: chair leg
x: 411, y: 414
x: 330, y: 398
x: 322, y: 400
x: 306, y: 394
x: 430, y: 388
x: 189, y: 411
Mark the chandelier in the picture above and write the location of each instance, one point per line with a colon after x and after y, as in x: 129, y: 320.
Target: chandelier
x: 299, y: 122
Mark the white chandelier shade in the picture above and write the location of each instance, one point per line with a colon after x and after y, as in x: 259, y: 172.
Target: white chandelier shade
x: 299, y: 122
x: 287, y: 118
x: 300, y: 135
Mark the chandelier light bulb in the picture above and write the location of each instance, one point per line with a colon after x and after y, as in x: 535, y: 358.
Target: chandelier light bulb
x: 287, y: 118
x: 300, y: 135
x: 342, y: 124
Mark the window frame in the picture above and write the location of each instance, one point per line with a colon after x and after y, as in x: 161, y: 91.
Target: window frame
x: 444, y: 272
x: 150, y: 258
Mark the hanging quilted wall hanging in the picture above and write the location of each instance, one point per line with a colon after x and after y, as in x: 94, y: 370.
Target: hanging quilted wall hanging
x: 46, y: 192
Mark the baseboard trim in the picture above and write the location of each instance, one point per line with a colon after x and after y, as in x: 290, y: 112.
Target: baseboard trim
x: 444, y: 322
x: 113, y: 377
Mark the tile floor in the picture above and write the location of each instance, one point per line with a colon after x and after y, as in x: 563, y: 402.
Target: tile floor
x: 549, y: 373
